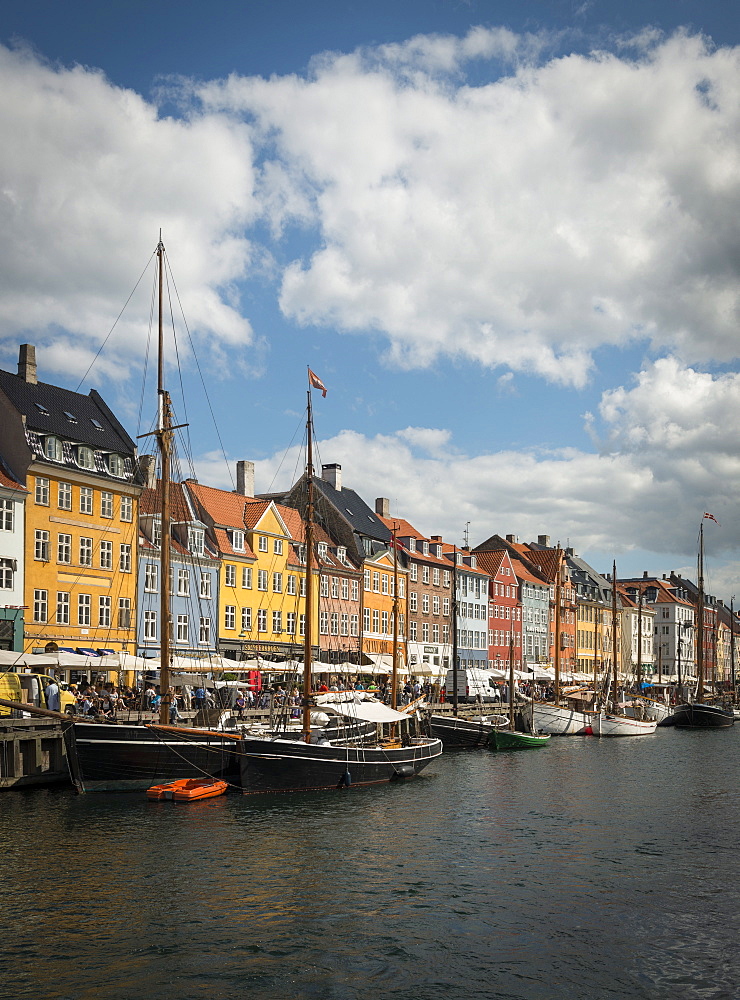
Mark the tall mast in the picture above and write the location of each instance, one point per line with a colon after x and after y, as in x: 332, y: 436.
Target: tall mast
x: 732, y: 648
x: 394, y: 675
x: 615, y: 675
x: 558, y: 573
x: 511, y: 681
x: 700, y: 621
x: 164, y: 440
x: 454, y: 630
x: 307, y: 652
x: 639, y: 638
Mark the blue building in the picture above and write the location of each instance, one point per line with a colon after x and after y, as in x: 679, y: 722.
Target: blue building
x: 471, y: 600
x: 194, y: 575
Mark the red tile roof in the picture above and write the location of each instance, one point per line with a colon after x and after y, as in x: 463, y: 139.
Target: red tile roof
x: 151, y: 502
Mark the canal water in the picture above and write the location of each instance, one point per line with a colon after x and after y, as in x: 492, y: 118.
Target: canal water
x: 585, y: 869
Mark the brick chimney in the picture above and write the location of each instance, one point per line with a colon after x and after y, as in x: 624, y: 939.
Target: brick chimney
x: 245, y: 478
x: 148, y: 467
x: 27, y: 364
x: 332, y: 474
x: 383, y: 507
x: 544, y: 540
x: 512, y: 539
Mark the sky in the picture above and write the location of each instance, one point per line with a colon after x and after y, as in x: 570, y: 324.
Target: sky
x: 503, y: 234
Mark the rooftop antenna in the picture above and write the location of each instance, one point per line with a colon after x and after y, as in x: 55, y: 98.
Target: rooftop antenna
x: 466, y: 534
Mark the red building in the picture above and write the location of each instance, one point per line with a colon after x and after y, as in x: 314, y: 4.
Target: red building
x: 504, y: 608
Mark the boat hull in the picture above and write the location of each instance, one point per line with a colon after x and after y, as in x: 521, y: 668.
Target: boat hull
x: 505, y: 739
x: 561, y: 720
x: 700, y: 716
x: 606, y: 724
x: 106, y: 758
x: 288, y: 766
x: 463, y: 733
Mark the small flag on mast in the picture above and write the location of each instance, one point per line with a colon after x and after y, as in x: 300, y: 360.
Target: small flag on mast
x: 316, y: 382
x: 712, y: 518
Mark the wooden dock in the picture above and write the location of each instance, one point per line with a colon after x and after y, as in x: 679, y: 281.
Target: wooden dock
x: 32, y: 752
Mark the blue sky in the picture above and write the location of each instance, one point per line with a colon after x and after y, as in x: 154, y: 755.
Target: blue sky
x: 502, y: 233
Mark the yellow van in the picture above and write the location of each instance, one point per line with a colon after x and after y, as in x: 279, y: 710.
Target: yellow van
x: 30, y: 689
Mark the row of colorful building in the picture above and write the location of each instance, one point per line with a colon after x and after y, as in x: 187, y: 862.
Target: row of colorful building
x: 80, y: 533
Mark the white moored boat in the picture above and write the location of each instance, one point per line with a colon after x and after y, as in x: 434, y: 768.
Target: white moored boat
x: 606, y: 724
x: 561, y: 720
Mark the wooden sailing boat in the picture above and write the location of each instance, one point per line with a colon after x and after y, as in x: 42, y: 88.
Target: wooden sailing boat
x: 313, y: 762
x: 106, y: 757
x: 615, y: 722
x: 511, y: 739
x: 698, y: 714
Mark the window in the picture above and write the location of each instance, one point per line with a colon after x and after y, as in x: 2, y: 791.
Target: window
x: 104, y: 612
x: 376, y: 583
x: 53, y: 449
x: 384, y: 583
x: 342, y: 554
x: 385, y: 623
x: 151, y: 577
x: 261, y: 620
x: 84, y: 602
x: 334, y: 620
x: 367, y: 579
x: 262, y: 579
x: 412, y: 631
x: 414, y: 572
x: 124, y: 612
x: 290, y: 589
x: 86, y: 500
x: 302, y: 625
x: 62, y: 608
x: 324, y: 586
x: 354, y: 625
x: 425, y: 631
x: 115, y: 465
x: 42, y: 491
x: 425, y: 604
x: 183, y: 582
x: 446, y: 578
x: 41, y: 545
x: 425, y: 574
x: 345, y: 589
x: 64, y: 496
x: 322, y: 550
x: 183, y: 628
x: 435, y: 633
x: 127, y: 509
x: 230, y: 616
x: 237, y: 540
x: 277, y: 621
x: 262, y: 545
x: 157, y: 532
x: 324, y: 622
x: 85, y: 457
x: 229, y: 575
x: 204, y: 635
x: 277, y: 583
x: 40, y: 605
x: 413, y: 599
x: 366, y: 619
x: 246, y: 578
x: 345, y: 624
x: 376, y: 621
x: 86, y: 551
x: 64, y: 548
x: 401, y: 586
x: 335, y: 587
x: 277, y: 546
x: 435, y: 576
x: 106, y: 504
x: 6, y: 574
x: 355, y: 590
x: 246, y: 619
x: 435, y: 605
x: 106, y: 555
x: 7, y: 515
x: 124, y: 559
x: 150, y: 625
x: 290, y: 625
x: 205, y: 585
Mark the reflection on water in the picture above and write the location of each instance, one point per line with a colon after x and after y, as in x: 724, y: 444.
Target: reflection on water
x: 586, y: 869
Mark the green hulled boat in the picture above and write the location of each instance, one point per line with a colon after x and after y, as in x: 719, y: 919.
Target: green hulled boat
x: 508, y: 739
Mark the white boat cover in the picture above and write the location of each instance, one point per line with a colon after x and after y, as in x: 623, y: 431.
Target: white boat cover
x: 368, y: 711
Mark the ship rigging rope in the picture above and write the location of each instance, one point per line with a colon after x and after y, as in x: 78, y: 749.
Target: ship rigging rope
x: 200, y: 746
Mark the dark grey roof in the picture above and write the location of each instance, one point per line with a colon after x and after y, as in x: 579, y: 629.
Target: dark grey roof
x: 353, y: 509
x: 59, y: 407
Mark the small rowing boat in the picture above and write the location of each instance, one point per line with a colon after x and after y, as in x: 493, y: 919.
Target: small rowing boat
x: 188, y: 789
x: 509, y: 739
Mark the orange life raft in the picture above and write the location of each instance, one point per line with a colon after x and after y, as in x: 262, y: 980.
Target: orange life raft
x: 188, y: 789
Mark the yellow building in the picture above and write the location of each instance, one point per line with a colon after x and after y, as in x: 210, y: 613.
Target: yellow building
x: 377, y: 610
x: 78, y: 464
x: 262, y: 576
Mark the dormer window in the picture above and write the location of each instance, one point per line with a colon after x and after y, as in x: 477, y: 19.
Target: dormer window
x: 115, y: 465
x: 85, y: 457
x: 53, y: 449
x: 322, y: 550
x: 70, y: 416
x: 156, y: 532
x: 342, y: 554
x: 96, y: 424
x: 473, y: 562
x: 196, y: 539
x: 412, y: 545
x: 425, y: 547
x: 237, y: 540
x: 42, y: 409
x: 302, y: 553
